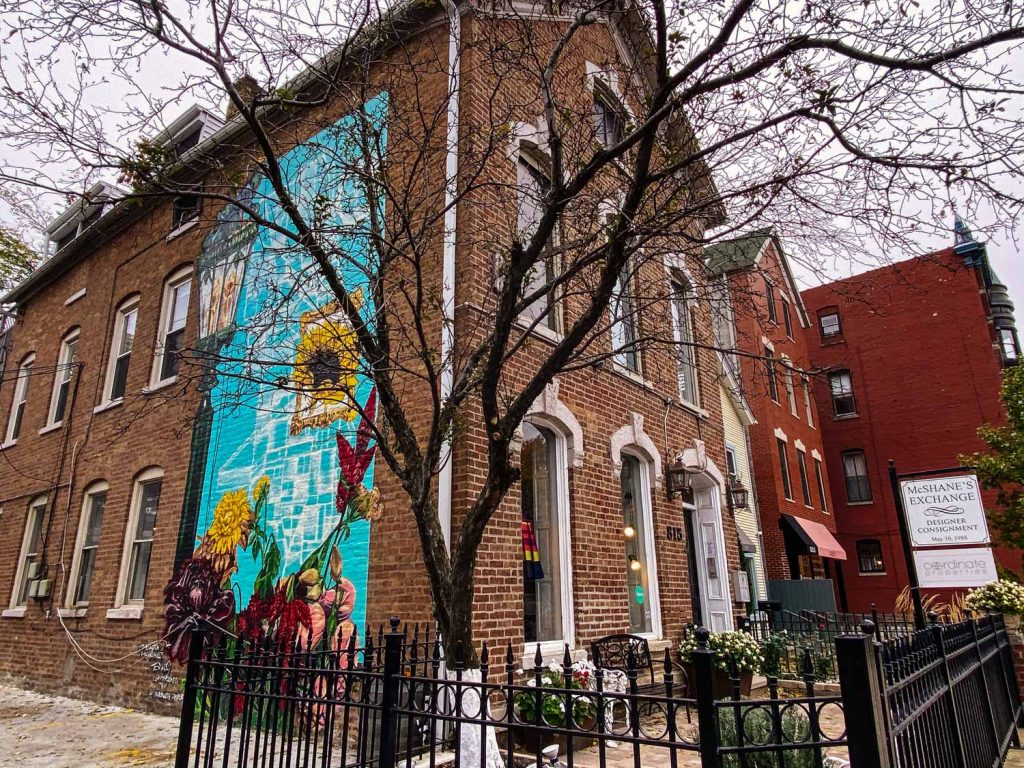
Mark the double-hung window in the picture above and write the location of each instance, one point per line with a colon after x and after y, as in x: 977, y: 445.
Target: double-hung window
x: 869, y: 556
x: 841, y: 386
x: 62, y: 378
x: 121, y: 349
x: 819, y: 476
x: 532, y: 187
x: 787, y: 372
x: 769, y: 369
x: 609, y: 123
x: 89, y: 527
x: 787, y: 318
x: 830, y: 326
x: 769, y: 295
x: 808, y: 404
x: 637, y: 531
x: 787, y: 483
x: 805, y: 485
x: 686, y: 353
x: 139, y: 537
x: 31, y: 544
x: 624, y: 326
x: 173, y: 316
x: 855, y: 470
x: 17, y: 416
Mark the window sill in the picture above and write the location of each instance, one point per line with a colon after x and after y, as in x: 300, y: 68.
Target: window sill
x: 8, y: 444
x: 182, y: 229
x: 686, y: 405
x: 125, y: 613
x: 540, y: 330
x: 108, y: 405
x: 550, y: 650
x: 51, y: 428
x: 72, y: 613
x: 873, y: 573
x: 846, y: 416
x: 14, y: 613
x: 860, y: 503
x: 156, y: 386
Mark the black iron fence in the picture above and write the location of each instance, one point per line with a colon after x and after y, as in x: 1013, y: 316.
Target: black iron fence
x: 944, y: 696
x: 788, y: 635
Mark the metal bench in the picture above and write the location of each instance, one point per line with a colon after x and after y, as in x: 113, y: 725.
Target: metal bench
x: 622, y: 652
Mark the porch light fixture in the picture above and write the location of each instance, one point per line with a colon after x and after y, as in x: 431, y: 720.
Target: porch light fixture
x: 677, y: 478
x: 738, y: 496
x: 629, y: 531
x: 634, y: 564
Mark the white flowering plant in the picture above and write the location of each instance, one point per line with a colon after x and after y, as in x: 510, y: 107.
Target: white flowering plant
x: 555, y: 692
x: 738, y: 647
x: 1001, y: 596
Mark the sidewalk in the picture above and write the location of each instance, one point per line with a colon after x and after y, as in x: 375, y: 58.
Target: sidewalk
x: 40, y: 731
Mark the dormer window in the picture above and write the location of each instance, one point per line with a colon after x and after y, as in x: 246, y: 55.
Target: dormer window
x: 76, y: 219
x: 189, y: 140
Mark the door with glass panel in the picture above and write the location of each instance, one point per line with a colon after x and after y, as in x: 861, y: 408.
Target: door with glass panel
x: 712, y: 567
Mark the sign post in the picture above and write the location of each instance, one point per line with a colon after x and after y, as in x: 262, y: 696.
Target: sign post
x: 908, y: 552
x: 940, y: 513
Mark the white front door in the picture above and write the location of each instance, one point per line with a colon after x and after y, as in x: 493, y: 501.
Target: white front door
x: 712, y: 566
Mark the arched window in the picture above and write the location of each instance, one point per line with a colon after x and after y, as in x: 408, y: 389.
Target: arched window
x: 122, y: 342
x: 31, y: 551
x: 138, y: 542
x: 869, y: 556
x: 547, y: 579
x: 62, y: 378
x: 17, y: 417
x: 171, y: 331
x: 83, y: 564
x: 638, y: 536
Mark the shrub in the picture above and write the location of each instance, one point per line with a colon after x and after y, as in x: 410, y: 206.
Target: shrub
x: 738, y: 647
x: 757, y: 729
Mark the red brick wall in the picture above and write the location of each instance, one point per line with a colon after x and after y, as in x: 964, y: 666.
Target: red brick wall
x: 919, y: 348
x: 753, y: 325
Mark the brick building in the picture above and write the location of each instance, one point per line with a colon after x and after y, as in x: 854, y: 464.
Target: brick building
x: 910, y: 357
x: 127, y: 468
x: 763, y: 316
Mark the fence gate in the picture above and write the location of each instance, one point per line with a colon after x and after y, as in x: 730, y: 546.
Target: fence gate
x: 945, y: 695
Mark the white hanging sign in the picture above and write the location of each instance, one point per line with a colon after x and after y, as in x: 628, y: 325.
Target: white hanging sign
x: 950, y: 568
x: 944, y: 510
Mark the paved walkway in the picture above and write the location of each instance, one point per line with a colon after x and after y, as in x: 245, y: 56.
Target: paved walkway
x: 40, y: 731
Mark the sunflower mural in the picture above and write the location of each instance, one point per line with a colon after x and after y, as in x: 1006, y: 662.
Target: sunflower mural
x: 282, y: 496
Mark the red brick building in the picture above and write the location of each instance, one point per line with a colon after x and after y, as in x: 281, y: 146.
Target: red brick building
x: 119, y: 470
x: 909, y: 357
x: 792, y: 485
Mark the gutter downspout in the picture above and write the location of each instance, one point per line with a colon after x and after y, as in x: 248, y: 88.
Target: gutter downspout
x: 444, y: 486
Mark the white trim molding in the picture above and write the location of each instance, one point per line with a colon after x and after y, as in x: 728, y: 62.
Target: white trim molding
x: 633, y: 434
x: 815, y: 454
x: 799, y: 445
x: 549, y: 410
x: 781, y: 435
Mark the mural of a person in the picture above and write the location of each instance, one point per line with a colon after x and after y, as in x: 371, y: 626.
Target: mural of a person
x: 283, y: 496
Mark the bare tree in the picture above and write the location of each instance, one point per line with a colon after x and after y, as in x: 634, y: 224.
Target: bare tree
x: 825, y: 119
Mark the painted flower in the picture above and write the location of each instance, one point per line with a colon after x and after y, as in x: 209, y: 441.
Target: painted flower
x: 232, y: 521
x: 261, y: 489
x: 368, y: 503
x: 194, y: 599
x: 354, y: 461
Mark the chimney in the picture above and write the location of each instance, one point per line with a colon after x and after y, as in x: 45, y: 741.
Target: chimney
x: 247, y: 88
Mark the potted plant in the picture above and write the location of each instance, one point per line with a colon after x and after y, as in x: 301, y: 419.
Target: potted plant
x: 554, y: 692
x: 731, y: 648
x: 1002, y: 596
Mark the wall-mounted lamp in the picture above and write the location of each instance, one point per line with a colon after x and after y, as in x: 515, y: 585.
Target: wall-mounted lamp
x: 738, y: 496
x: 629, y: 531
x: 677, y: 478
x: 634, y: 564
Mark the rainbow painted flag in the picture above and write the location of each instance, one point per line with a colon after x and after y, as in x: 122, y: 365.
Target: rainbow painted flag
x: 532, y: 568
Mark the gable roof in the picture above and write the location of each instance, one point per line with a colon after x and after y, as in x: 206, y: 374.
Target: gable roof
x: 738, y: 253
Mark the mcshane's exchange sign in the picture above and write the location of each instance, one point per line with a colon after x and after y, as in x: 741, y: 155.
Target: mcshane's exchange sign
x: 944, y: 510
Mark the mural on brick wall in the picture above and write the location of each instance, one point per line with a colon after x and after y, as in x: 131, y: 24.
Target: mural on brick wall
x: 281, y: 494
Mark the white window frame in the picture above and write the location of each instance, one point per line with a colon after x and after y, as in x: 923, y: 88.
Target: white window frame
x: 646, y: 509
x: 37, y: 506
x: 620, y: 353
x: 681, y: 293
x: 819, y: 476
x: 100, y: 486
x: 124, y: 309
x: 20, y: 398
x: 554, y: 648
x: 176, y: 278
x: 122, y: 597
x: 64, y: 373
x: 551, y: 326
x: 808, y: 403
x: 787, y: 374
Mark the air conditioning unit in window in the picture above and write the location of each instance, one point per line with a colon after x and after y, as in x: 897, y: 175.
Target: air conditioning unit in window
x: 42, y: 588
x: 32, y: 571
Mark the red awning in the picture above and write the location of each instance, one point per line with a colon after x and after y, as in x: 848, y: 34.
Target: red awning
x: 817, y: 537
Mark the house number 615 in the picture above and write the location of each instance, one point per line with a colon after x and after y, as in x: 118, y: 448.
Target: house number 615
x: 674, y: 533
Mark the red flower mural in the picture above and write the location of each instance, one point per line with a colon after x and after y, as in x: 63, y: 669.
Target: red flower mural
x: 355, y: 461
x: 194, y: 600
